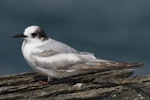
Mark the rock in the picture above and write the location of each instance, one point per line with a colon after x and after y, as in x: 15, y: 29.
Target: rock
x: 107, y: 85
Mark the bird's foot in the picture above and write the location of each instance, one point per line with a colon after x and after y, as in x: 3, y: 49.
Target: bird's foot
x: 44, y: 82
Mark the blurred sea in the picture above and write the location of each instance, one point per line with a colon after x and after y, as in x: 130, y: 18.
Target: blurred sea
x: 114, y: 30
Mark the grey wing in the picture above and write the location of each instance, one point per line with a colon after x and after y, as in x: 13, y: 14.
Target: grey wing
x: 58, y: 61
x: 57, y: 46
x: 101, y: 65
x: 57, y: 55
x: 68, y: 62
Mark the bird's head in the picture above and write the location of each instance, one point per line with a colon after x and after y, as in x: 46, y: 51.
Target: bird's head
x: 32, y: 33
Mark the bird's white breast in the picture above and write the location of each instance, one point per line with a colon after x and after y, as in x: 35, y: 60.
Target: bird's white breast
x: 48, y: 65
x: 27, y: 49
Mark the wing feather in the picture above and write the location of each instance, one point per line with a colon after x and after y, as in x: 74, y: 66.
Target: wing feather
x: 55, y: 55
x: 57, y: 46
x: 56, y: 61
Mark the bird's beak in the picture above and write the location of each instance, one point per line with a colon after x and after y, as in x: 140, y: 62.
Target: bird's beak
x: 19, y: 36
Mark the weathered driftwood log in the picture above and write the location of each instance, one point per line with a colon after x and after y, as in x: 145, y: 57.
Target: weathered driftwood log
x: 108, y: 85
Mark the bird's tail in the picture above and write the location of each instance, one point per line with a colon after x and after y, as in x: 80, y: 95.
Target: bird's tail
x: 118, y: 65
x: 102, y: 65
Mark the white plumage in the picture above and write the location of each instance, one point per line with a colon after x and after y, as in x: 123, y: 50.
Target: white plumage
x: 56, y: 59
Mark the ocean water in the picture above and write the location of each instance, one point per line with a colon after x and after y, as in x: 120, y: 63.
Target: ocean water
x: 114, y: 30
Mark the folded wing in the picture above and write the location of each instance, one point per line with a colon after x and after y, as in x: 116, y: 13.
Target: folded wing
x: 68, y: 62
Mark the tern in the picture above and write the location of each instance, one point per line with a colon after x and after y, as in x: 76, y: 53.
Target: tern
x: 58, y: 60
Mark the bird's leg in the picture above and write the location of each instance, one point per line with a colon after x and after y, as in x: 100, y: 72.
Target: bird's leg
x: 49, y: 80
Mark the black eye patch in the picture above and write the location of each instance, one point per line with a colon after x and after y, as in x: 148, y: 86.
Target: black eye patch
x: 34, y: 34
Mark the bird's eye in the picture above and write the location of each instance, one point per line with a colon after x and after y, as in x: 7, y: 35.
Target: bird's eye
x: 34, y: 34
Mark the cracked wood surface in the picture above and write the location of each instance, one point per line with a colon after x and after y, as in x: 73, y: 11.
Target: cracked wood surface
x: 107, y: 85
